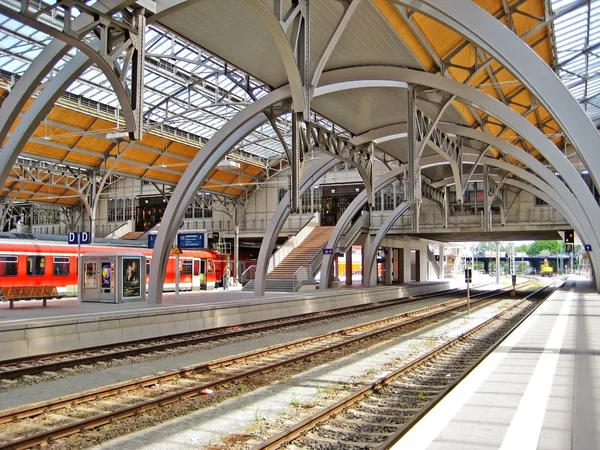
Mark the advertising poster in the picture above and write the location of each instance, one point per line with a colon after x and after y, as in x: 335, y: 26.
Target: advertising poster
x: 131, y: 277
x: 106, y: 275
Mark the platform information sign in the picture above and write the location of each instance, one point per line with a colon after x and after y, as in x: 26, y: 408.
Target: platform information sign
x: 82, y: 237
x: 588, y: 247
x: 151, y: 240
x: 191, y: 240
x: 328, y: 251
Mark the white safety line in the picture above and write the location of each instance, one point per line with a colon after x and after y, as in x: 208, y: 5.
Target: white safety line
x: 526, y: 425
x: 427, y: 429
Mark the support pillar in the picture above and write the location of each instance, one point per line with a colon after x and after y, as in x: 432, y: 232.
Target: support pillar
x: 419, y: 272
x: 442, y: 262
x: 388, y: 267
x: 396, y: 265
x: 349, y: 267
x: 404, y: 260
x: 486, y: 199
x: 414, y: 167
x: 497, y: 263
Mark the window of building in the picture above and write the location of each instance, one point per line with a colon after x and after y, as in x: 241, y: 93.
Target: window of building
x: 36, y: 265
x: 112, y: 210
x: 539, y: 202
x: 8, y: 265
x: 62, y: 266
x: 119, y: 210
x: 128, y: 208
x: 280, y: 194
x: 388, y: 198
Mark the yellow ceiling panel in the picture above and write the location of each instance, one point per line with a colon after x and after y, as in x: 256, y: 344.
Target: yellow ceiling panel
x: 167, y: 177
x: 82, y: 158
x: 43, y: 150
x: 183, y: 150
x: 405, y: 33
x: 70, y: 117
x: 443, y: 39
x: 143, y: 156
x: 127, y: 168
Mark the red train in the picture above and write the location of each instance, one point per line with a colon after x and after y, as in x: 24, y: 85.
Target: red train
x: 37, y: 263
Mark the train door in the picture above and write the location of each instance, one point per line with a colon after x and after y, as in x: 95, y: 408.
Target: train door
x: 186, y: 277
x: 196, y: 274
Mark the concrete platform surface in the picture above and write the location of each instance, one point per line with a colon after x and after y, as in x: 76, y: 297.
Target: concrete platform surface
x: 540, y: 389
x: 82, y: 325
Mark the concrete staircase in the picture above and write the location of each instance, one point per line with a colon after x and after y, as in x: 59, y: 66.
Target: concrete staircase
x: 132, y: 235
x: 281, y: 279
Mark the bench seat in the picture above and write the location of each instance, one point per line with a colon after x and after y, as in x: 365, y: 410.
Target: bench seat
x: 17, y: 293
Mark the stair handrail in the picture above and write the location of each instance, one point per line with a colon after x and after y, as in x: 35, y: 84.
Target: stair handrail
x: 301, y: 274
x: 292, y: 243
x: 351, y: 234
x: 120, y: 231
x: 246, y: 277
x: 316, y: 261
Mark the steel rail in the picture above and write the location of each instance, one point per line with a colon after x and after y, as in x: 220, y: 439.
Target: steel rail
x: 58, y: 360
x: 15, y: 415
x: 309, y: 423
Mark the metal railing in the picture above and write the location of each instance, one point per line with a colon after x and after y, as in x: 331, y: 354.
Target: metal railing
x: 303, y: 273
x: 248, y: 275
x: 292, y: 243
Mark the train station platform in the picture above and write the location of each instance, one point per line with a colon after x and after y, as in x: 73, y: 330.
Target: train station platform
x: 68, y: 324
x: 540, y: 389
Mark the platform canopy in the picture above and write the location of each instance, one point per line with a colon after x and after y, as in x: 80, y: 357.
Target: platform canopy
x: 208, y: 60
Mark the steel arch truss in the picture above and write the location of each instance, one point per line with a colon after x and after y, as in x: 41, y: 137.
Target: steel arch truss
x: 121, y: 46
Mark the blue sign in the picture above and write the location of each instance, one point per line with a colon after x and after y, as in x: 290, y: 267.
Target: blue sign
x: 588, y: 247
x: 191, y: 240
x: 151, y: 240
x: 76, y: 238
x: 328, y: 251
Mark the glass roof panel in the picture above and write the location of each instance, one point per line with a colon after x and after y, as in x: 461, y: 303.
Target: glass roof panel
x: 577, y: 36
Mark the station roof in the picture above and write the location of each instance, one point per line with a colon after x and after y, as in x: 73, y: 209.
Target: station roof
x: 208, y: 60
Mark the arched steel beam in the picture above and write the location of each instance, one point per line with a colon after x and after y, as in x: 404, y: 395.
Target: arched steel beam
x: 505, y: 147
x: 91, y: 51
x: 196, y: 174
x: 26, y: 86
x: 586, y: 229
x: 371, y: 250
x: 491, y: 35
x: 282, y: 212
x: 568, y: 204
x: 40, y: 107
x: 164, y: 8
x: 31, y: 79
x: 334, y: 81
x: 359, y: 77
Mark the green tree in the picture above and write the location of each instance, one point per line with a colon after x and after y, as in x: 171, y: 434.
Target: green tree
x: 544, y: 248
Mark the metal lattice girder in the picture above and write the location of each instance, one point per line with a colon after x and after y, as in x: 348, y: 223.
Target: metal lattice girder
x: 121, y: 43
x: 432, y: 193
x: 438, y: 137
x: 315, y: 137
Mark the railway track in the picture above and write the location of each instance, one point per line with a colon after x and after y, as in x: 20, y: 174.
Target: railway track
x: 378, y: 415
x: 42, y: 423
x: 52, y: 362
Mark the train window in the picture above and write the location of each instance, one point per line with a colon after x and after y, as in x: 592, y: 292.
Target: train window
x: 211, y: 266
x: 187, y: 267
x: 8, y: 265
x: 36, y: 265
x: 147, y: 267
x: 62, y: 266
